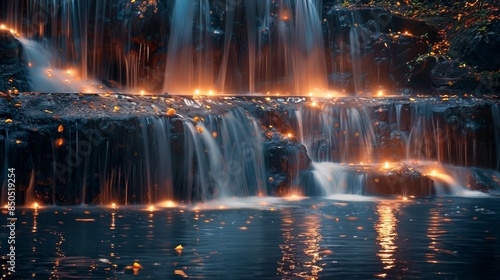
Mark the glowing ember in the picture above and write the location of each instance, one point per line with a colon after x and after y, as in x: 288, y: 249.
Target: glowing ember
x: 169, y: 204
x: 214, y: 134
x: 136, y: 266
x: 59, y: 142
x: 179, y: 248
x: 170, y: 112
x: 181, y: 273
x: 60, y: 128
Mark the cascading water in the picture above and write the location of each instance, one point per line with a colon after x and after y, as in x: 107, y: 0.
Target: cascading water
x: 43, y: 77
x: 256, y: 46
x: 226, y: 157
x: 348, y: 141
x: 335, y: 136
x: 189, y: 61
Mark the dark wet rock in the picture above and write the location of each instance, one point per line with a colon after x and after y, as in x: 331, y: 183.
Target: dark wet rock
x: 380, y: 43
x: 446, y: 73
x: 478, y: 45
x: 401, y: 180
x: 483, y: 180
x: 12, y: 70
x: 286, y: 161
x: 419, y: 76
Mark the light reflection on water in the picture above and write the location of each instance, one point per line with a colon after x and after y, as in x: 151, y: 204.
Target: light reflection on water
x: 301, y: 247
x: 386, y: 230
x: 439, y: 238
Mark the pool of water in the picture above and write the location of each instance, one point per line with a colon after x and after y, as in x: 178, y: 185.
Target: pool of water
x: 310, y: 238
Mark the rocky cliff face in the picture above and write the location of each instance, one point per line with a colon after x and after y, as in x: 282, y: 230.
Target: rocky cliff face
x: 12, y: 69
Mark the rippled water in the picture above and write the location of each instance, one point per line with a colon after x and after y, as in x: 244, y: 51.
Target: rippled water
x: 439, y: 238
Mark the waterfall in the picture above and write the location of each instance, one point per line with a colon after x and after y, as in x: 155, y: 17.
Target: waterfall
x: 189, y: 61
x: 347, y: 142
x: 226, y: 157
x: 337, y: 133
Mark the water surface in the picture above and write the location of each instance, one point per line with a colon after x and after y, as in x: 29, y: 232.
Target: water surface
x: 310, y: 238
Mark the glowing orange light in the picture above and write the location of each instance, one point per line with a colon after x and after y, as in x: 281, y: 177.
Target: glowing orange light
x: 289, y: 135
x: 433, y: 172
x: 314, y: 103
x: 386, y: 165
x: 69, y: 71
x: 197, y: 91
x: 59, y: 142
x: 151, y: 208
x: 180, y: 273
x: 310, y: 94
x: 405, y: 198
x: 170, y: 112
x: 142, y: 92
x: 210, y: 93
x: 170, y: 204
x: 380, y: 93
x: 113, y: 205
x: 179, y: 248
x: 35, y: 205
x: 295, y: 196
x: 2, y: 26
x: 136, y: 266
x: 29, y: 64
